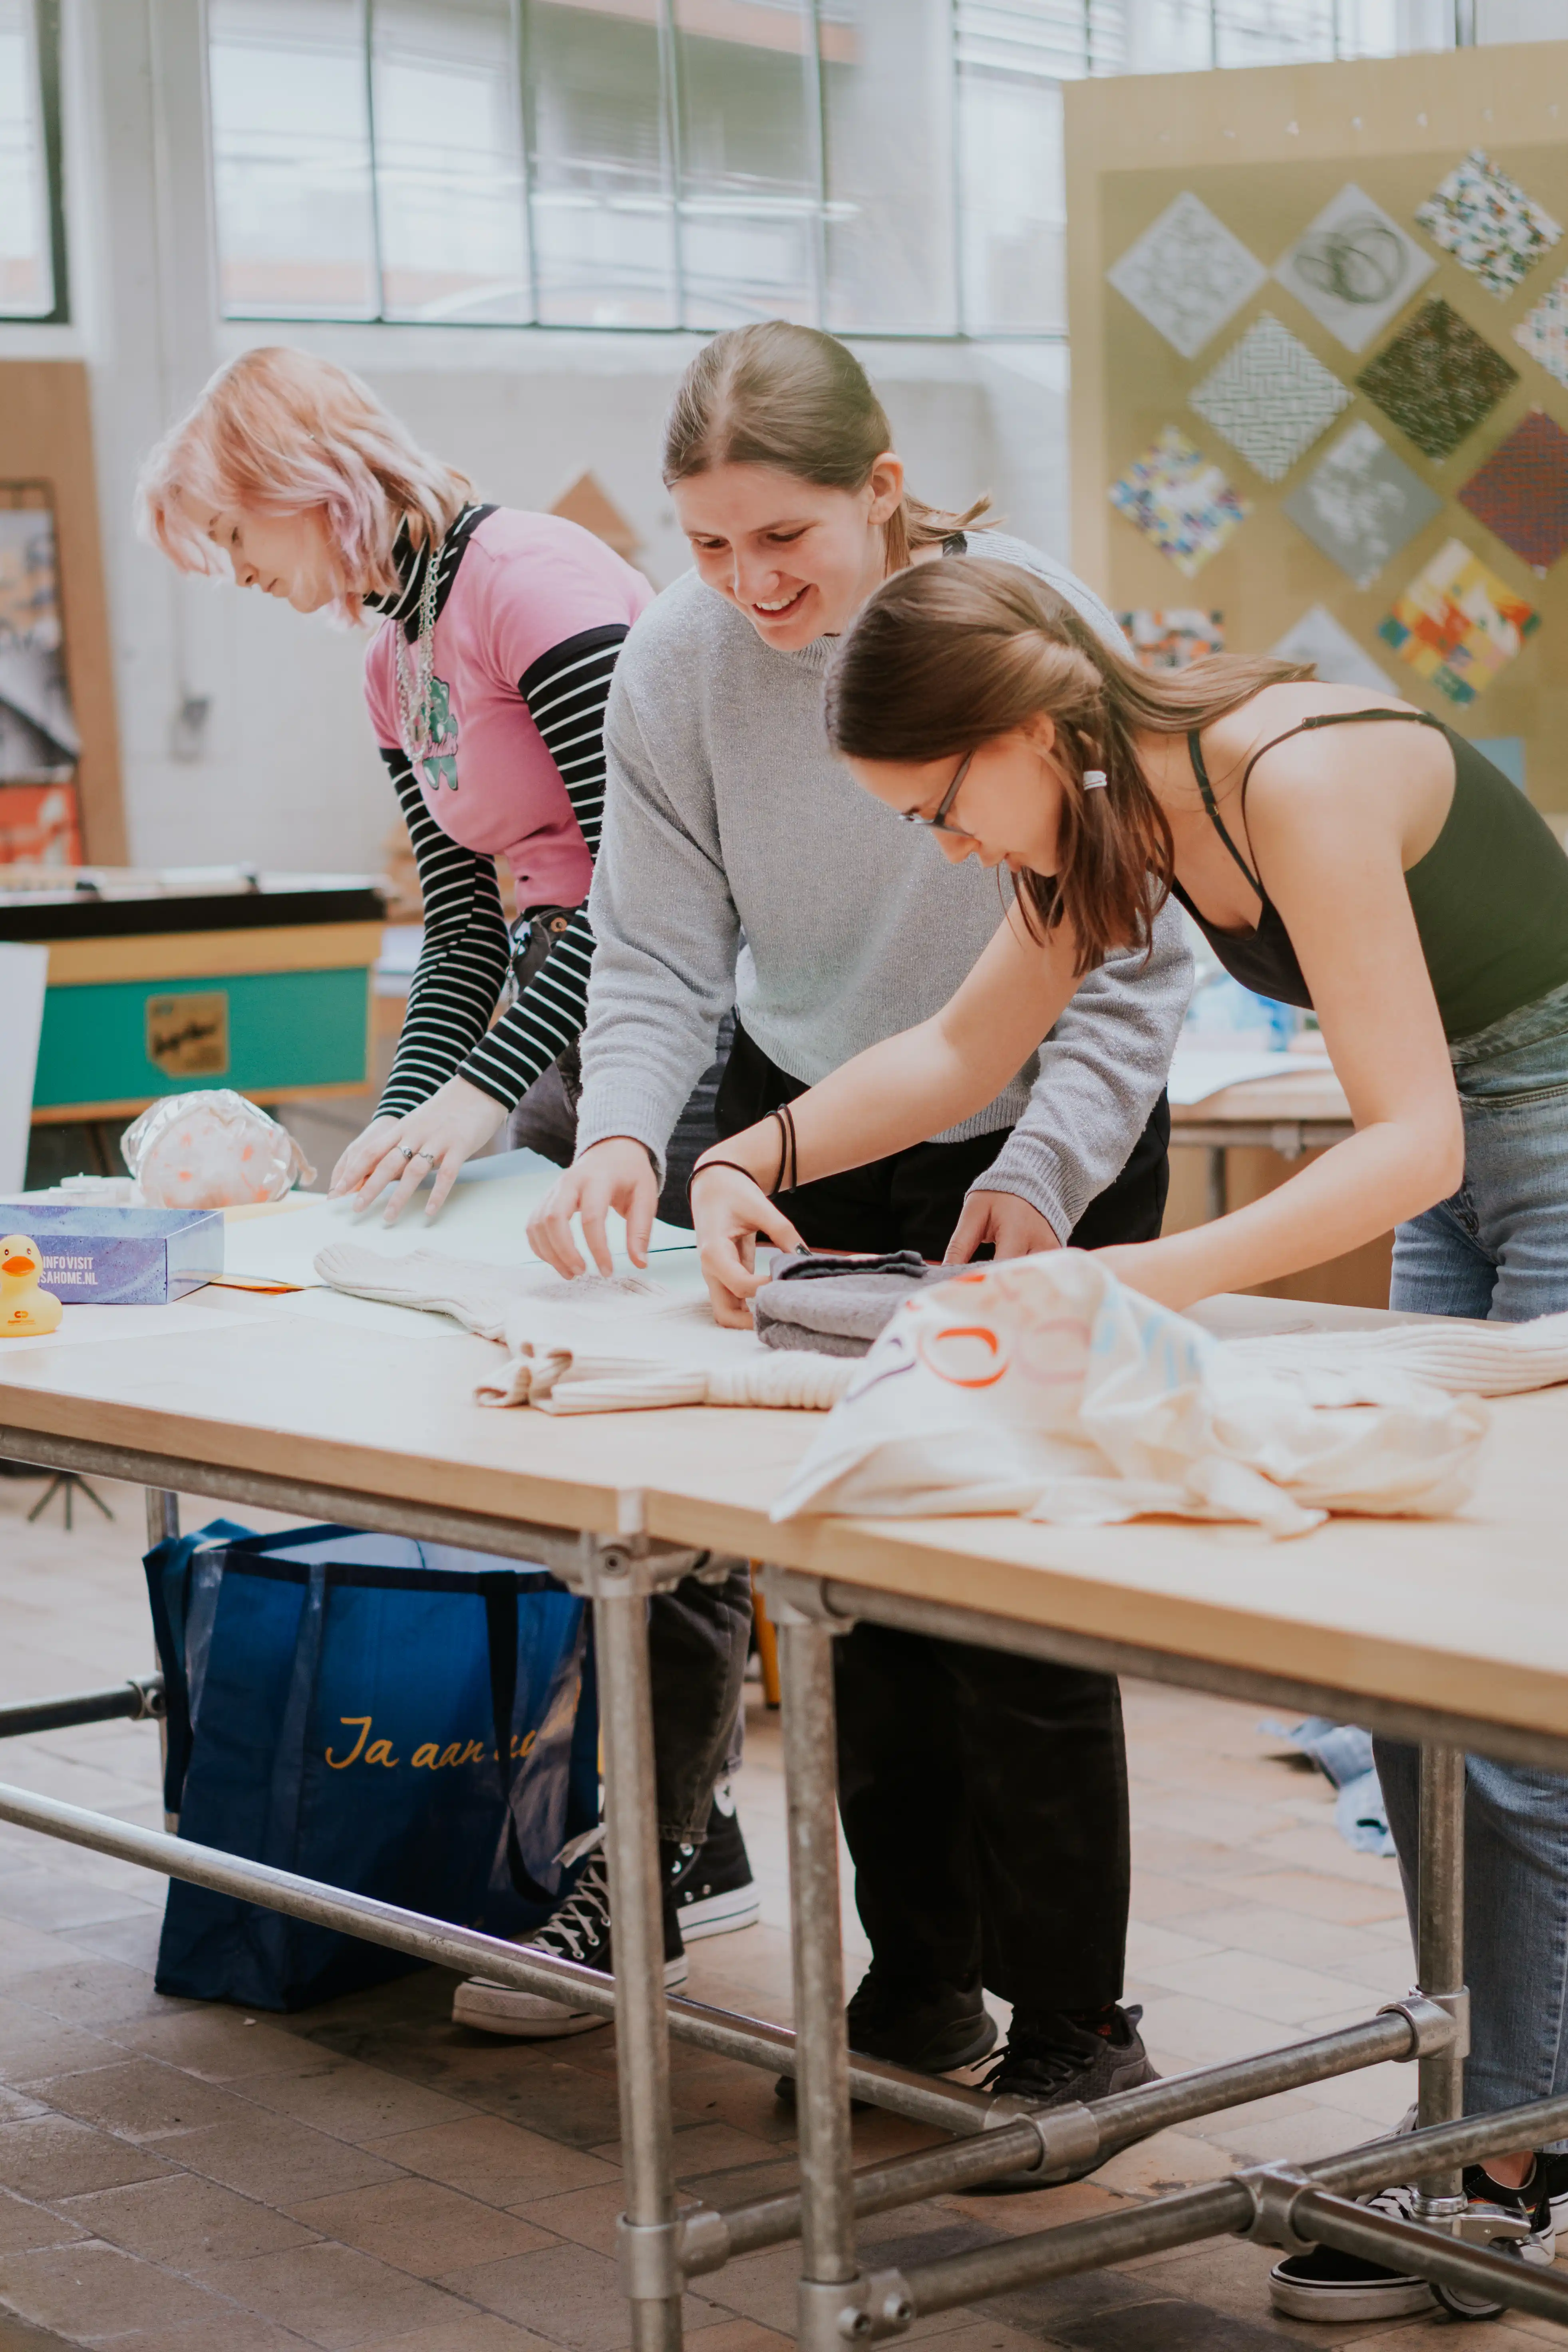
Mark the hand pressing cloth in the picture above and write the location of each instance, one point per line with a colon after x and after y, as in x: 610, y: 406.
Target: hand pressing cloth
x: 1041, y: 1387
x: 599, y: 1344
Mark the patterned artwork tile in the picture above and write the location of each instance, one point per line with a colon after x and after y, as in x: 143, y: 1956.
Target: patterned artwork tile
x: 1544, y: 332
x: 1177, y: 497
x: 1437, y: 378
x: 1318, y: 637
x: 1521, y: 491
x: 1269, y: 398
x: 1457, y: 624
x: 1361, y: 504
x: 1488, y: 222
x: 1173, y: 637
x: 1354, y: 268
x: 1187, y: 275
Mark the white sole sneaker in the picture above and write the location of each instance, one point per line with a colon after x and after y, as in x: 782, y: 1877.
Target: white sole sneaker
x: 1337, y: 2301
x: 491, y: 2008
x: 719, y: 1915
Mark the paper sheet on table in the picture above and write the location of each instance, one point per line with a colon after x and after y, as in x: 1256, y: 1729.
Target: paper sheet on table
x: 1198, y: 1072
x: 181, y: 1315
x: 485, y: 1216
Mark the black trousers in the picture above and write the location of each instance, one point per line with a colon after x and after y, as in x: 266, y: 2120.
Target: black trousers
x: 983, y: 1796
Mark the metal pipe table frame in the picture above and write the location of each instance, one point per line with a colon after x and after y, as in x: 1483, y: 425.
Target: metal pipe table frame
x: 660, y: 2248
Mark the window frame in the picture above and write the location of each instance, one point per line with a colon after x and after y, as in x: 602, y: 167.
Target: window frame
x: 45, y: 24
x: 1097, y: 54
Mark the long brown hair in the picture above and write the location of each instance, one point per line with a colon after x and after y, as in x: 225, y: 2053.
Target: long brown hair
x: 948, y: 655
x: 773, y: 394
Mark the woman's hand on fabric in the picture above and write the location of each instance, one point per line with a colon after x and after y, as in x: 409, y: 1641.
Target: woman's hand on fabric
x: 728, y: 1211
x: 357, y: 1160
x: 617, y: 1173
x: 396, y: 1156
x: 1011, y: 1226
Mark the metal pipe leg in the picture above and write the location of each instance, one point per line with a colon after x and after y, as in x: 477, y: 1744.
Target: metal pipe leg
x: 646, y: 2239
x: 1440, y: 1956
x: 163, y: 1515
x: 162, y: 1520
x: 822, y: 2048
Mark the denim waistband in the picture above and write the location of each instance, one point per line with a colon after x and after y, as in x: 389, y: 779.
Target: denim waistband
x: 1527, y: 1025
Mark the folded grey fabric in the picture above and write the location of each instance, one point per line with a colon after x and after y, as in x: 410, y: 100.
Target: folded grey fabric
x: 835, y: 1306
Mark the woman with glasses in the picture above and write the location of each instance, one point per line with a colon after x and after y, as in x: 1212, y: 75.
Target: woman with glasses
x: 1341, y: 851
x: 984, y: 1797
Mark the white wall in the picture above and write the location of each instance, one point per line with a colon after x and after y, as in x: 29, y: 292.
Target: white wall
x: 285, y: 774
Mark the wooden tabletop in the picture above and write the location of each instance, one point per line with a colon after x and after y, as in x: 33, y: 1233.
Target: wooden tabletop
x: 1468, y: 1613
x: 1308, y: 1093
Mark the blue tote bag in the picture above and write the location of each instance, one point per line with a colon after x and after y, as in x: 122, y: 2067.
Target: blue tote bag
x: 405, y: 1720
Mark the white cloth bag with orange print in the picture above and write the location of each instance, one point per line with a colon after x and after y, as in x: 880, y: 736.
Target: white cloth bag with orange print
x: 1042, y: 1387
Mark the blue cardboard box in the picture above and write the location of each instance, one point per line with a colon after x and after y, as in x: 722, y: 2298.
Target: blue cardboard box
x: 119, y: 1257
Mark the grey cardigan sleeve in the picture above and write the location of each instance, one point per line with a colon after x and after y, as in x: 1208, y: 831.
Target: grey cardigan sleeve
x: 1102, y: 1069
x: 667, y: 936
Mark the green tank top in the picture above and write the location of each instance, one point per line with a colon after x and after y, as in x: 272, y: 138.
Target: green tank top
x: 1489, y: 897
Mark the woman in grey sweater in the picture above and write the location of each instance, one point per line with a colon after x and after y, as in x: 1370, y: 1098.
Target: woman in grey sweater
x: 984, y: 1797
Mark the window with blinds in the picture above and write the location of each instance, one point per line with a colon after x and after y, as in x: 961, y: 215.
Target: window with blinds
x: 875, y: 166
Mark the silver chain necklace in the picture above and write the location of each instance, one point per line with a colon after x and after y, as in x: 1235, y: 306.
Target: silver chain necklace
x: 413, y: 690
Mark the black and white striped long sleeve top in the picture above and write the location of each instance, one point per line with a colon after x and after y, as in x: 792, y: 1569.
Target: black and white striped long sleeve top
x: 466, y: 954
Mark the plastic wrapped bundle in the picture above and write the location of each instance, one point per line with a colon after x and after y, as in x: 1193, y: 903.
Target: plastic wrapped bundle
x: 211, y: 1151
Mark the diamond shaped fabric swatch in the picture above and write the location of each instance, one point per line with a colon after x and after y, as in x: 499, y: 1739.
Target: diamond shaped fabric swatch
x: 1355, y: 267
x: 1488, y: 222
x: 1361, y: 504
x: 1544, y: 332
x: 1174, y: 637
x: 1318, y: 637
x: 1437, y: 378
x: 1458, y: 624
x: 1187, y: 275
x: 1181, y: 501
x: 1521, y: 491
x: 1269, y: 398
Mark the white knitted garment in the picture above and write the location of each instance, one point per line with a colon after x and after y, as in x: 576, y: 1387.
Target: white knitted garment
x: 621, y: 1343
x: 1464, y: 1359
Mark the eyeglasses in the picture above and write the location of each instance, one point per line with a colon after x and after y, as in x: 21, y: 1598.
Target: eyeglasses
x: 938, y: 823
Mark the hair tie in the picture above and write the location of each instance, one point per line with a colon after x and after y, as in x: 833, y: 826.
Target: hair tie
x: 1095, y: 780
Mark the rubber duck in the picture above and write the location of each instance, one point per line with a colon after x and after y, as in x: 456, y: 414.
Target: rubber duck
x: 25, y: 1311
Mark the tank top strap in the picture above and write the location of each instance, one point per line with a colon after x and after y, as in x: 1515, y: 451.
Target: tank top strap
x: 1196, y: 754
x: 1302, y: 727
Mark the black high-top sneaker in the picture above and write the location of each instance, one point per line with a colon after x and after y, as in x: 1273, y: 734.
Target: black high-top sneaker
x: 579, y: 1931
x: 711, y: 1884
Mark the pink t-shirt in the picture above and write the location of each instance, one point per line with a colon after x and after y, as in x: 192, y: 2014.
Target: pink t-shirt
x: 526, y: 583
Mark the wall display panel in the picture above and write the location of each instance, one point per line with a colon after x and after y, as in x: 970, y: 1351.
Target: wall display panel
x: 1359, y: 550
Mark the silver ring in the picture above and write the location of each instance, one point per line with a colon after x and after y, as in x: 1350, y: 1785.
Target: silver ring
x: 430, y: 1156
x: 406, y: 1151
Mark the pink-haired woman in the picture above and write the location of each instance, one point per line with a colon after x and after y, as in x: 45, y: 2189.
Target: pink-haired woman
x: 486, y: 684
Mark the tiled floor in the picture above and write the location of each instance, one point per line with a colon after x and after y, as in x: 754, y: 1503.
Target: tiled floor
x: 174, y: 2177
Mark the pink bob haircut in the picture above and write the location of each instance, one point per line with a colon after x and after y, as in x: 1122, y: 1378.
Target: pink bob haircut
x: 280, y: 433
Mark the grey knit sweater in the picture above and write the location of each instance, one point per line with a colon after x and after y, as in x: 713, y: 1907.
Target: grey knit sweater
x: 740, y: 864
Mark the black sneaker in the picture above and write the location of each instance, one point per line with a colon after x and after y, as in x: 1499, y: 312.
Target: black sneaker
x: 1055, y: 2062
x: 579, y: 1931
x: 711, y: 1884
x: 931, y: 2028
x: 1325, y: 2284
x: 1551, y: 2173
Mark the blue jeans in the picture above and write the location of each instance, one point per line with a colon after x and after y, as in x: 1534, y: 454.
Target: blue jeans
x: 1497, y: 1250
